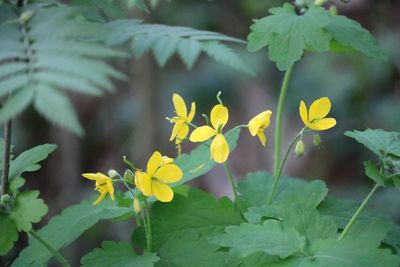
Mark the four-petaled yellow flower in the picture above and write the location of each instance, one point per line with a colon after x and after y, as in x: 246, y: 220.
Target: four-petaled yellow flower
x: 314, y: 118
x: 104, y: 185
x: 160, y: 172
x: 182, y: 119
x: 219, y: 146
x: 258, y: 124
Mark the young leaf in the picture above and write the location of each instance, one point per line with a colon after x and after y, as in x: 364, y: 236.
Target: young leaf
x: 287, y: 34
x: 28, y: 209
x: 270, y: 237
x: 372, y: 172
x: 28, y: 160
x: 199, y: 211
x: 65, y: 228
x: 117, y: 254
x: 8, y: 233
x: 175, y: 251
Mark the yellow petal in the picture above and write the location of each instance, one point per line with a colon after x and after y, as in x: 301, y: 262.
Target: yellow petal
x: 319, y: 109
x: 143, y: 183
x: 110, y: 189
x: 154, y: 162
x: 162, y: 192
x: 100, y: 198
x: 180, y: 106
x: 219, y: 149
x: 261, y: 121
x: 167, y: 160
x: 96, y: 176
x: 323, y: 124
x: 169, y: 173
x: 202, y: 134
x: 177, y: 127
x: 192, y: 112
x: 303, y: 112
x: 219, y: 116
x: 182, y: 134
x: 261, y: 137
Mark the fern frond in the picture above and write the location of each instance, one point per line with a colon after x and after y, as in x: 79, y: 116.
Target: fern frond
x: 50, y: 52
x: 164, y: 41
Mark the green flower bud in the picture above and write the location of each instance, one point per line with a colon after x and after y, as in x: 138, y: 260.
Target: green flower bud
x: 319, y: 2
x: 136, y: 205
x: 317, y: 140
x: 333, y: 11
x: 112, y: 173
x: 25, y: 16
x: 128, y: 176
x: 299, y: 150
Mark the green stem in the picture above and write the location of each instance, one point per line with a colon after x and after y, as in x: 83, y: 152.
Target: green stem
x: 358, y: 212
x: 149, y: 238
x: 234, y: 128
x: 6, y: 158
x: 278, y: 118
x: 231, y: 180
x: 53, y: 252
x: 277, y: 176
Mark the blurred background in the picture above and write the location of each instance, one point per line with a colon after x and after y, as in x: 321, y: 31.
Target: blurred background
x: 364, y: 94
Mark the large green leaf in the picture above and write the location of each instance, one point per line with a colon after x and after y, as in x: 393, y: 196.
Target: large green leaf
x: 189, y: 249
x: 113, y: 254
x: 65, y: 228
x: 8, y: 233
x: 198, y: 211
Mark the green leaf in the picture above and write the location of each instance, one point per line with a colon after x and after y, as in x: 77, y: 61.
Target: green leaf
x: 287, y: 34
x: 16, y: 104
x: 199, y: 211
x: 270, y: 237
x: 199, y: 161
x: 16, y: 184
x: 372, y: 172
x: 117, y: 254
x: 176, y: 250
x: 349, y: 33
x: 28, y: 160
x: 8, y: 233
x: 50, y: 103
x: 381, y: 142
x: 28, y: 209
x: 63, y: 229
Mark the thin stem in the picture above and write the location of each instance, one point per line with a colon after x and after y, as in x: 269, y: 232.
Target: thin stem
x: 219, y: 98
x: 6, y: 157
x: 358, y: 212
x: 234, y: 128
x: 149, y: 237
x: 278, y: 118
x: 53, y: 252
x: 277, y: 176
x: 231, y: 180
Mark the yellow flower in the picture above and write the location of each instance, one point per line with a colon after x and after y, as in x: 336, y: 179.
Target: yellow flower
x: 258, y: 124
x: 315, y: 117
x: 219, y: 146
x: 182, y: 119
x: 159, y: 173
x: 104, y: 185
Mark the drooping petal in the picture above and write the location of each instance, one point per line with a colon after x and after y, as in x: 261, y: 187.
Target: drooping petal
x: 100, y: 198
x: 96, y: 176
x: 143, y: 183
x: 169, y: 173
x: 219, y: 149
x: 219, y: 116
x: 182, y: 134
x: 162, y: 192
x: 261, y: 121
x: 154, y: 162
x: 261, y: 136
x: 192, y: 112
x: 323, y: 124
x: 266, y: 118
x: 110, y: 189
x: 202, y: 134
x: 303, y: 112
x: 180, y: 106
x: 319, y: 109
x: 177, y: 128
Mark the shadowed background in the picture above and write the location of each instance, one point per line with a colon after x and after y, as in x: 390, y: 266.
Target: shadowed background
x: 364, y: 94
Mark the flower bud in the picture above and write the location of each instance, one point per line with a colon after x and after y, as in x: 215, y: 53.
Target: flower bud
x: 25, y: 16
x: 128, y: 176
x: 136, y: 205
x: 112, y: 173
x: 319, y: 2
x: 299, y: 150
x: 333, y: 10
x: 317, y: 140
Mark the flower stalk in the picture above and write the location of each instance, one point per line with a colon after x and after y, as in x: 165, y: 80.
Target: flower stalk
x: 149, y: 238
x: 6, y: 158
x: 231, y: 180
